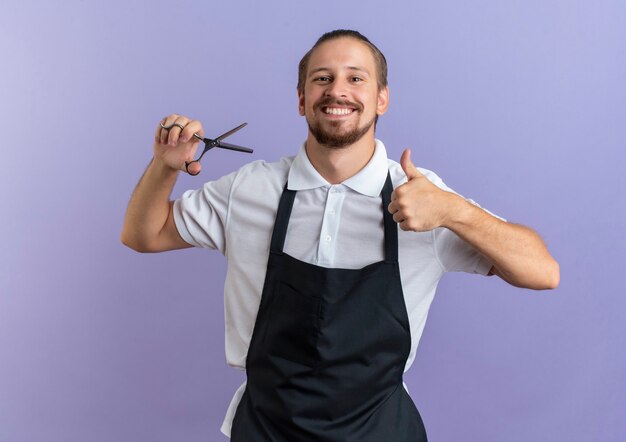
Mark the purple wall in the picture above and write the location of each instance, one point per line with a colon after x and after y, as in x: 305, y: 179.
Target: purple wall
x: 518, y: 105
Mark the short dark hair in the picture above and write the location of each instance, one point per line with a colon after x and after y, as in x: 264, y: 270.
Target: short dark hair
x: 379, y: 58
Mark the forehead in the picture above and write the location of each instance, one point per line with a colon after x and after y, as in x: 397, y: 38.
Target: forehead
x: 342, y: 52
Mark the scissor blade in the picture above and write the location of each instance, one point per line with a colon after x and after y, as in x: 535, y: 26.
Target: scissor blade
x: 235, y: 147
x: 206, y: 140
x: 230, y: 132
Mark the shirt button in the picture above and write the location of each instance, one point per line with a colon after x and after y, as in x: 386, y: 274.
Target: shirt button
x: 333, y: 190
x: 328, y: 238
x: 331, y: 211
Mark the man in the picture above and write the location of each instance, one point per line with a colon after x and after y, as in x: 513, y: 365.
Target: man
x: 333, y: 257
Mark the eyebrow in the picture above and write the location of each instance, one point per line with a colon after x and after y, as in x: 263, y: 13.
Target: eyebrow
x: 351, y: 68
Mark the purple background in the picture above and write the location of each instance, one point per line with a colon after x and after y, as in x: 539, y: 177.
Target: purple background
x: 518, y: 105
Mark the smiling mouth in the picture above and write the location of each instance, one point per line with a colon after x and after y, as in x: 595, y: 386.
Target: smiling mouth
x: 337, y: 110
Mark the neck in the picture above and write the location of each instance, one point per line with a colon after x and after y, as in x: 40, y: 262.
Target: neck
x: 336, y: 165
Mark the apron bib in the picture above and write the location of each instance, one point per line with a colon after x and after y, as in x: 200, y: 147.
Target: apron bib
x: 328, y: 350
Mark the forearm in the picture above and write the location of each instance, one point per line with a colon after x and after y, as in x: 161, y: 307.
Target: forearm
x: 517, y: 252
x: 149, y: 206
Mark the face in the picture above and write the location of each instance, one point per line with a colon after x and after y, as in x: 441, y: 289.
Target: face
x: 341, y: 99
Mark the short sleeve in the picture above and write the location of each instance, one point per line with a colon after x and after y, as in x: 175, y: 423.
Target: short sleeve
x: 453, y: 253
x: 201, y: 215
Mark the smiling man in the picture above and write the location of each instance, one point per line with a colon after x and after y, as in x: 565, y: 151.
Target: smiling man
x: 334, y: 256
x: 334, y: 119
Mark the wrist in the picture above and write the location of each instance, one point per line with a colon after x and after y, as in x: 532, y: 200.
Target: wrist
x: 457, y: 212
x: 162, y: 168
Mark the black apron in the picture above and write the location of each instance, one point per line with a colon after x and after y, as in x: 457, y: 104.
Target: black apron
x: 328, y: 350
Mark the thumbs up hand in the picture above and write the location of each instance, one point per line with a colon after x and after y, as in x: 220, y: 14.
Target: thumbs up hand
x: 418, y: 204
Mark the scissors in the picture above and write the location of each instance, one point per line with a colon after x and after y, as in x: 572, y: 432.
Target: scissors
x: 211, y: 143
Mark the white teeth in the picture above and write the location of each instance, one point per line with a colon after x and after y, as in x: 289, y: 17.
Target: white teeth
x: 336, y: 111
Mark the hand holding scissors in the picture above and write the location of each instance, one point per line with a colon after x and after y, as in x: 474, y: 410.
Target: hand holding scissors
x: 208, y: 142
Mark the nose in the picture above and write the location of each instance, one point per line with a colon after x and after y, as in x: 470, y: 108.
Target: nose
x: 337, y: 88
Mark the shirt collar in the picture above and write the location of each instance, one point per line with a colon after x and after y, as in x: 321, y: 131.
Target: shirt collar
x: 368, y: 181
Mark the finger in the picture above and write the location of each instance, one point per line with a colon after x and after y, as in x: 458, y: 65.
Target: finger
x: 399, y: 217
x: 193, y: 127
x: 404, y: 225
x: 164, y: 133
x: 161, y: 133
x: 194, y: 168
x: 408, y: 167
x: 175, y: 131
x: 392, y: 207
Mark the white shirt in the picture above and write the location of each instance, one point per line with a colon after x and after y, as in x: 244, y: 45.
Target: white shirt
x: 335, y: 226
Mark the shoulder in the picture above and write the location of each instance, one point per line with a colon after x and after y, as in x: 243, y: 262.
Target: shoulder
x: 260, y: 181
x: 253, y: 173
x: 252, y: 178
x: 265, y: 168
x: 261, y: 172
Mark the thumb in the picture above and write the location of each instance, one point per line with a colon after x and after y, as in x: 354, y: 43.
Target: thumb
x: 408, y: 167
x: 194, y: 168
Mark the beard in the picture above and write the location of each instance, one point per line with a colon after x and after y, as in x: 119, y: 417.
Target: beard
x: 332, y: 137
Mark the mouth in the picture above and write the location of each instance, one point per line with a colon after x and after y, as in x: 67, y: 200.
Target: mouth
x: 339, y: 111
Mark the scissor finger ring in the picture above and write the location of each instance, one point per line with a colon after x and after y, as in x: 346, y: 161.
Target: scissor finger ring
x: 172, y: 125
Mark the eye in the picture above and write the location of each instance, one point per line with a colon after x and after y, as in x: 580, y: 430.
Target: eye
x: 323, y: 79
x: 356, y: 79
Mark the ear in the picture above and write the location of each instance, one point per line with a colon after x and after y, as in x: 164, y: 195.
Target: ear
x: 301, y: 102
x: 383, y: 100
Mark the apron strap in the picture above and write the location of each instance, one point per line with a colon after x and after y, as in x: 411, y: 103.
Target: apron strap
x: 391, y: 227
x: 282, y: 220
x: 284, y: 213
